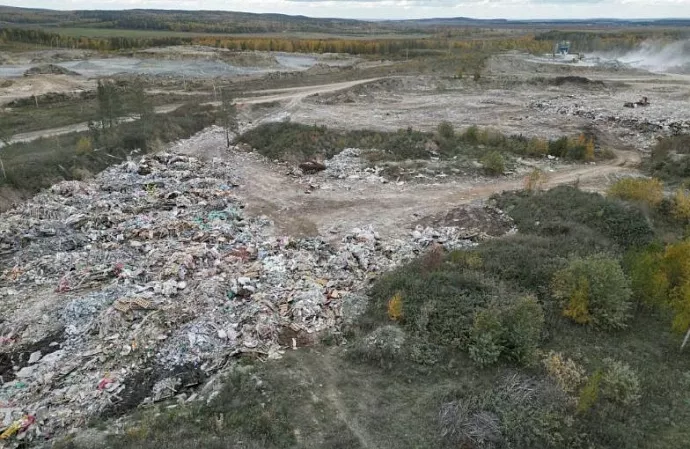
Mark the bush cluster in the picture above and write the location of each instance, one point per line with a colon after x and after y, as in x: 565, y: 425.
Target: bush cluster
x: 567, y: 374
x: 594, y: 291
x: 649, y: 191
x: 294, y: 141
x: 565, y: 211
x: 506, y: 330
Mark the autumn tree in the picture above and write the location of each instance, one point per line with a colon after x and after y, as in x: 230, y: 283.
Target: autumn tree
x: 661, y: 277
x: 594, y: 291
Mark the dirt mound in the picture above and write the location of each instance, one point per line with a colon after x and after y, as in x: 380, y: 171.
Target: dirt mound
x: 49, y: 69
x: 577, y: 80
x: 485, y: 220
x: 361, y: 93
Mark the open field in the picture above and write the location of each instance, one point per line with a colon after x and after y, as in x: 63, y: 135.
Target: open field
x: 473, y: 244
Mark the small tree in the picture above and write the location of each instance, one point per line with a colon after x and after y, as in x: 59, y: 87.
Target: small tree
x: 141, y: 106
x: 109, y: 103
x: 228, y: 111
x: 681, y: 205
x: 661, y: 277
x: 84, y: 146
x: 594, y: 291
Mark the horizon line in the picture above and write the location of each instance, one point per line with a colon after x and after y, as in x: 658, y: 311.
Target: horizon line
x: 555, y: 19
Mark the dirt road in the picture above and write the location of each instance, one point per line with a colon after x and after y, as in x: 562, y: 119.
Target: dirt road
x: 293, y: 94
x: 79, y: 127
x: 341, y: 205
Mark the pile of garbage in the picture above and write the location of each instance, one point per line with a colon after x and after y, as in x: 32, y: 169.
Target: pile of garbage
x: 138, y: 285
x: 348, y: 164
x: 657, y: 120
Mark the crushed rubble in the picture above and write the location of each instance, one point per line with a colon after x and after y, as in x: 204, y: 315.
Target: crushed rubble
x: 118, y: 290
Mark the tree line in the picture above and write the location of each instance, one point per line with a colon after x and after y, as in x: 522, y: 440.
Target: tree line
x: 40, y: 37
x: 352, y: 46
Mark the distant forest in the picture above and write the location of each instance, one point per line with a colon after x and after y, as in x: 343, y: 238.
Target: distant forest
x: 475, y: 39
x: 229, y: 22
x: 226, y: 22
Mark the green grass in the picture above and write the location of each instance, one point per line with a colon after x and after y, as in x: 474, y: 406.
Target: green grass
x: 55, y: 111
x: 38, y: 164
x: 30, y: 118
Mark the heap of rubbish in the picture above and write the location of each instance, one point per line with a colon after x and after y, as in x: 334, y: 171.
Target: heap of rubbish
x: 140, y: 284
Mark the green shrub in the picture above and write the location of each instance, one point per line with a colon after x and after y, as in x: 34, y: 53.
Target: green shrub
x: 559, y: 147
x: 445, y: 130
x: 531, y: 260
x: 438, y: 304
x: 620, y: 383
x: 384, y: 345
x: 672, y: 169
x: 485, y: 346
x: 295, y: 141
x: 589, y: 395
x: 493, y: 163
x: 594, y: 291
x: 471, y: 135
x: 511, y: 330
x: 566, y: 211
x: 84, y: 146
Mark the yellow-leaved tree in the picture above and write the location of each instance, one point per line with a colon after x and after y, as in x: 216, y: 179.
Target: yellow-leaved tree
x: 661, y: 277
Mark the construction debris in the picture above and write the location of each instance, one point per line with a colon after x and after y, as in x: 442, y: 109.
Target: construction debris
x: 137, y: 285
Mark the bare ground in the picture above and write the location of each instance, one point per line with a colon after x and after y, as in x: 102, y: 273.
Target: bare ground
x: 391, y: 208
x: 505, y: 103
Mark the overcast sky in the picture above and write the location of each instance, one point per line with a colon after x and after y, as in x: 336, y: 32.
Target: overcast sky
x: 396, y: 9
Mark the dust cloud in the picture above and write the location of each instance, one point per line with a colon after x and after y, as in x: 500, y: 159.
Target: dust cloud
x: 656, y: 56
